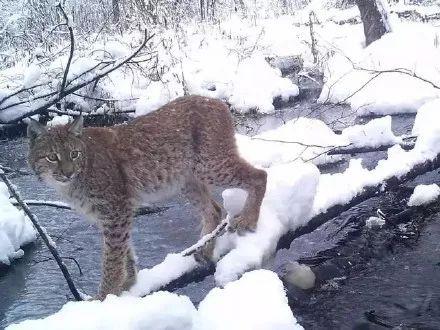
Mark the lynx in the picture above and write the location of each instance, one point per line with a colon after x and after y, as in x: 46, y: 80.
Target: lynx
x: 185, y: 147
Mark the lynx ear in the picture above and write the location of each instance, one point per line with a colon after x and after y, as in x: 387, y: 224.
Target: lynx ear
x: 35, y: 129
x: 76, y: 127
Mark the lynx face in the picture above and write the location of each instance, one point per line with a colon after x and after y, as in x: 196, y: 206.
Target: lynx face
x: 56, y: 154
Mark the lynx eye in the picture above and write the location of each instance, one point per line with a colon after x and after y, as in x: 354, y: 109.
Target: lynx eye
x: 53, y: 157
x: 74, y: 154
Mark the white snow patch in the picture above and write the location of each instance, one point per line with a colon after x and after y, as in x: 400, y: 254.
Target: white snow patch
x: 375, y: 133
x: 256, y: 301
x: 58, y: 120
x: 16, y: 230
x: 424, y: 194
x: 372, y: 222
x: 353, y: 73
x: 173, y: 266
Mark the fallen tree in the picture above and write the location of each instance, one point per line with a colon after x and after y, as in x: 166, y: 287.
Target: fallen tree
x: 200, y: 273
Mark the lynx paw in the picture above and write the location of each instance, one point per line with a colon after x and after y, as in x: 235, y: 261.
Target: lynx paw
x: 204, y: 255
x: 241, y: 225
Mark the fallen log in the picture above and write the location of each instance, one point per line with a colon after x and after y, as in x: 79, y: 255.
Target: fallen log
x: 358, y: 150
x: 200, y: 273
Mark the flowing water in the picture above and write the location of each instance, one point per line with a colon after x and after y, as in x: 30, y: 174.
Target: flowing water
x: 397, y: 286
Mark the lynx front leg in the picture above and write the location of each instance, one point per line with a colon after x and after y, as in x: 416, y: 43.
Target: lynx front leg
x: 130, y: 265
x: 116, y: 263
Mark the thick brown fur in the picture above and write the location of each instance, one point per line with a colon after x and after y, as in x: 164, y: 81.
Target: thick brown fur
x: 184, y: 147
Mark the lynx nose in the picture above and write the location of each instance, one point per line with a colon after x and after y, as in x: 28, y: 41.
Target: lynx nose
x: 68, y: 172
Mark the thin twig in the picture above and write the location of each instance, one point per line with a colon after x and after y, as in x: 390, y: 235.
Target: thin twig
x: 72, y: 49
x: 144, y: 210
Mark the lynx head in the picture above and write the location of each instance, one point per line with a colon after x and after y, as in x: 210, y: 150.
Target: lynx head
x: 56, y: 154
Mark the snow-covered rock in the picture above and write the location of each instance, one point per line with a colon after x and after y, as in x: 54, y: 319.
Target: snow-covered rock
x: 299, y: 275
x: 256, y: 301
x: 424, y: 194
x: 16, y: 230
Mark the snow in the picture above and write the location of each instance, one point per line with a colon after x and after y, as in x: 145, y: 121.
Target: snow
x: 312, y: 136
x: 375, y: 133
x: 340, y: 188
x: 373, y: 222
x: 58, y: 120
x: 16, y: 230
x: 255, y: 302
x: 256, y: 84
x: 173, y: 266
x: 424, y: 194
x: 354, y: 74
x: 31, y: 75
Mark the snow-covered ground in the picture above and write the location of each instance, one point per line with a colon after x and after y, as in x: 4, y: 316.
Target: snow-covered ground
x: 16, y: 230
x: 257, y: 301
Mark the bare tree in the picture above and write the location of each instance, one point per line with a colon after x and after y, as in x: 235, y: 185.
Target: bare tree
x: 116, y: 12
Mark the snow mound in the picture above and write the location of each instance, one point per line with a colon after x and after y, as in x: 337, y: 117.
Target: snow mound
x: 427, y: 117
x: 299, y: 139
x: 173, y: 266
x: 256, y: 301
x: 375, y: 133
x: 161, y: 310
x: 424, y: 194
x: 16, y: 229
x: 357, y: 77
x: 256, y: 84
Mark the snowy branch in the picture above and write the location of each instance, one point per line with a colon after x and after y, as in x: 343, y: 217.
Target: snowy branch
x: 56, y: 97
x: 145, y: 210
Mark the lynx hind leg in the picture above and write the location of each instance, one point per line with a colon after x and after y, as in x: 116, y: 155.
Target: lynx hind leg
x: 237, y: 173
x: 209, y: 211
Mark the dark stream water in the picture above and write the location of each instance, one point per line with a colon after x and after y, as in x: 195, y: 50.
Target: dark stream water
x: 400, y: 286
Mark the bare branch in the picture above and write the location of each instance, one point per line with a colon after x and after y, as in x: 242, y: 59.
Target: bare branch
x: 72, y: 49
x: 75, y: 88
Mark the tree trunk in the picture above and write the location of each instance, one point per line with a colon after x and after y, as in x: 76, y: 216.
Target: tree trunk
x: 374, y: 19
x: 115, y: 11
x: 202, y: 10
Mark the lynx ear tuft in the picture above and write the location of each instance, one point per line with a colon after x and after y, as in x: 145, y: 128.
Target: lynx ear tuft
x: 76, y: 127
x: 35, y: 129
